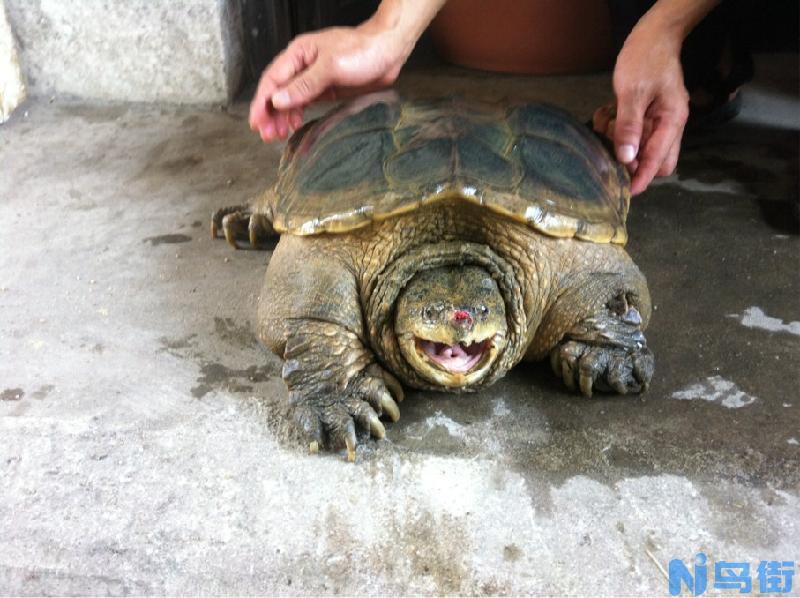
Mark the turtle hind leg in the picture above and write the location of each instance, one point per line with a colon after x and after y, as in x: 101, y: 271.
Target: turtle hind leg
x: 239, y: 223
x: 607, y: 352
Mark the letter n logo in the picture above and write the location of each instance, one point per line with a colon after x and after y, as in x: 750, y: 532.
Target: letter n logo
x: 679, y: 574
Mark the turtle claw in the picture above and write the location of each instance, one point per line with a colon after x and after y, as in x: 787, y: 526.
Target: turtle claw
x: 335, y: 417
x: 568, y: 360
x: 606, y: 352
x: 218, y: 215
x: 381, y: 390
x: 567, y: 374
x: 376, y: 427
x: 350, y: 441
x: 389, y: 407
x: 606, y: 368
x: 632, y: 317
x: 258, y: 227
x: 310, y: 426
x: 231, y: 227
x: 239, y: 222
x: 586, y: 382
x: 395, y: 388
x: 340, y: 428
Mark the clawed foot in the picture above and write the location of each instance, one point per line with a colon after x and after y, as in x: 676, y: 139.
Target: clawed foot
x: 611, y: 369
x: 239, y: 222
x: 607, y: 352
x: 330, y: 421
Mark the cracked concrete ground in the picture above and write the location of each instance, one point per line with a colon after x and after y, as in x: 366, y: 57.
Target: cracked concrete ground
x: 141, y: 445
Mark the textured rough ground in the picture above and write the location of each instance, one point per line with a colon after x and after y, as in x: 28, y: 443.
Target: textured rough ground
x: 142, y: 450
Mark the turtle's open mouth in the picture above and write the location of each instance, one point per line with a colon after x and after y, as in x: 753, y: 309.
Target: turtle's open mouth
x: 456, y: 365
x: 459, y: 358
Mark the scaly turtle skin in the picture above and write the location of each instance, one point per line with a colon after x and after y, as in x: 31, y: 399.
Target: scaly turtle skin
x: 439, y: 243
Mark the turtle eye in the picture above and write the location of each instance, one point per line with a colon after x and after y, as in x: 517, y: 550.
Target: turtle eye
x: 427, y: 313
x: 484, y: 310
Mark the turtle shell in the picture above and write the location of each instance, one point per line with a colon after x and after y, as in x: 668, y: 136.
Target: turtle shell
x: 380, y: 156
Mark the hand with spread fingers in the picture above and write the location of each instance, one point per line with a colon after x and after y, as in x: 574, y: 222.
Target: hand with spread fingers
x: 647, y: 120
x: 320, y: 66
x: 337, y: 62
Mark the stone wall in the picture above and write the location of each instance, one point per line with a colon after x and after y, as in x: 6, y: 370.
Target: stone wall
x: 12, y: 87
x: 184, y: 51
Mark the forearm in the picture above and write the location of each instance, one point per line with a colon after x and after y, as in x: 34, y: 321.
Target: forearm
x: 404, y: 20
x: 676, y: 18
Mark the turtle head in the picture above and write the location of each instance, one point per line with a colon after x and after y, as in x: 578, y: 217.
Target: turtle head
x: 450, y: 323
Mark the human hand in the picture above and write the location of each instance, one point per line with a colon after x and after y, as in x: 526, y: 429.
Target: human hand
x: 327, y: 64
x: 646, y: 121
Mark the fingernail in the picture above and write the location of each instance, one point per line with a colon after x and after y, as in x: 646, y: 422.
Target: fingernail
x: 280, y: 99
x: 626, y: 153
x: 267, y: 131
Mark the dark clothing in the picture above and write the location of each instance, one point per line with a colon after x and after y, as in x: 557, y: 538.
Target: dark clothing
x: 716, y: 56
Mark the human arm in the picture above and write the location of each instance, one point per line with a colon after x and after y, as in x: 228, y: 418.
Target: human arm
x: 337, y: 61
x: 646, y: 123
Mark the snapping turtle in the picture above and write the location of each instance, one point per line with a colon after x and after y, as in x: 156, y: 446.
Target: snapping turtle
x: 438, y: 243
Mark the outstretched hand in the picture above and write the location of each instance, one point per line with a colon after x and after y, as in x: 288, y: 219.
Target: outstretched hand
x: 324, y: 65
x: 646, y: 121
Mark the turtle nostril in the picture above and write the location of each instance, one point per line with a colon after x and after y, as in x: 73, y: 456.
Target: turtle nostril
x: 462, y: 317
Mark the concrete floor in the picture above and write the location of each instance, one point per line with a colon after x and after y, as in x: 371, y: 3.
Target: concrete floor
x: 142, y: 448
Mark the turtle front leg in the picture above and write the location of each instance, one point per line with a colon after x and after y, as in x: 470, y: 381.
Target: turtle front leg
x: 607, y: 352
x: 310, y: 315
x: 335, y: 386
x: 239, y: 222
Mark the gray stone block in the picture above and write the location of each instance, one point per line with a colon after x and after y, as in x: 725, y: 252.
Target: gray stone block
x: 12, y: 87
x: 186, y: 51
